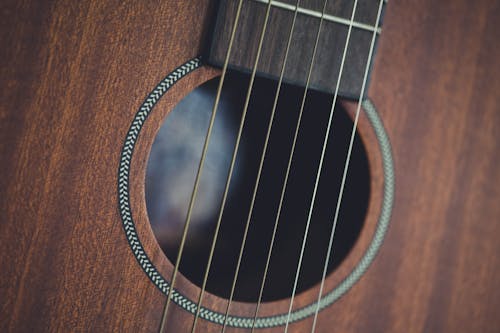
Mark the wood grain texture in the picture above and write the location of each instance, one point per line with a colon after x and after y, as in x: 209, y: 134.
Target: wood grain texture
x: 73, y: 74
x: 436, y: 83
x: 72, y: 78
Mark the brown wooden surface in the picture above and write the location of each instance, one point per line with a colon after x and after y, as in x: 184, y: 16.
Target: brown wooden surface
x: 330, y: 49
x: 436, y: 83
x: 73, y: 76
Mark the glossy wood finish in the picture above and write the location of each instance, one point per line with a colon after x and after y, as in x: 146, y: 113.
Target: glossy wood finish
x: 436, y: 82
x: 73, y: 74
x: 72, y: 78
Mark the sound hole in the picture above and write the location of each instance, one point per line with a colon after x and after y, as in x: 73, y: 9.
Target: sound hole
x: 171, y: 174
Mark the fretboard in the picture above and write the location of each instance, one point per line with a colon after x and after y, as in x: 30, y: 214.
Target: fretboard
x: 336, y: 22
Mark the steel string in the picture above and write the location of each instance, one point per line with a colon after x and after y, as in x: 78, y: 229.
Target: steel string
x: 346, y: 167
x: 320, y: 165
x: 245, y: 109
x: 200, y: 168
x: 257, y: 182
x: 311, y: 65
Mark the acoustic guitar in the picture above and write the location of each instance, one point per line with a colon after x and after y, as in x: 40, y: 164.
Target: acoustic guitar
x: 250, y: 166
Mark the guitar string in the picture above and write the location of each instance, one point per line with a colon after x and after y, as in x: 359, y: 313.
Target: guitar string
x: 264, y: 152
x: 200, y: 168
x: 293, y: 147
x: 346, y: 167
x: 288, y: 169
x: 235, y: 153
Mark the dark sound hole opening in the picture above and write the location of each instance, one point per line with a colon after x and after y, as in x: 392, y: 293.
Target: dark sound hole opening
x: 171, y: 173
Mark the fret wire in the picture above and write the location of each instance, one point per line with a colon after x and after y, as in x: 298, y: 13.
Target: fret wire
x: 275, y: 104
x: 198, y: 174
x: 291, y: 156
x: 346, y: 167
x: 326, y: 17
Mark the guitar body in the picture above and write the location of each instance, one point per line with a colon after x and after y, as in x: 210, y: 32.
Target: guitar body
x: 73, y: 76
